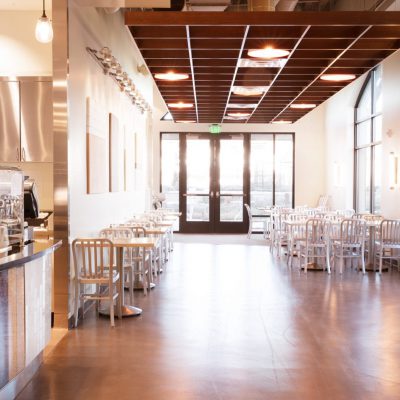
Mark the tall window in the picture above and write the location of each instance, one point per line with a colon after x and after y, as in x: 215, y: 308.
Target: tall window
x: 170, y: 170
x: 271, y: 170
x: 368, y: 145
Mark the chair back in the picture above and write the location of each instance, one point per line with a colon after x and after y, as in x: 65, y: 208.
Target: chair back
x: 353, y: 231
x: 345, y: 213
x: 92, y: 258
x: 248, y: 209
x: 117, y: 232
x: 389, y: 232
x: 318, y: 231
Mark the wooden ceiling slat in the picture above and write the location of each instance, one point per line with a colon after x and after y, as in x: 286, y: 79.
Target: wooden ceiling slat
x: 171, y: 32
x: 318, y: 43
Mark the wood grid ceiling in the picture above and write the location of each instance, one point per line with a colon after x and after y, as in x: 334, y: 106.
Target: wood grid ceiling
x: 210, y: 48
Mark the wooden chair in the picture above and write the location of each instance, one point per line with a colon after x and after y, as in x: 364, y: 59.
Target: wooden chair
x: 94, y: 265
x: 387, y: 244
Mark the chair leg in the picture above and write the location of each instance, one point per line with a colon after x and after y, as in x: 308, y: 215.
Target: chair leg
x: 131, y: 283
x: 363, y: 261
x: 76, y: 303
x: 111, y: 307
x: 341, y: 262
x: 328, y: 264
x: 380, y: 262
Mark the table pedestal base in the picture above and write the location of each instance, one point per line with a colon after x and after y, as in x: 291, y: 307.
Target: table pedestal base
x: 127, y: 311
x: 139, y: 285
x: 314, y: 267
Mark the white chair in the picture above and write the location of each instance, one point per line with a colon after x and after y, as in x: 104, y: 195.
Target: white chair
x: 316, y: 243
x: 295, y: 234
x: 387, y: 244
x: 254, y: 218
x: 349, y: 242
x: 94, y: 265
x: 279, y: 230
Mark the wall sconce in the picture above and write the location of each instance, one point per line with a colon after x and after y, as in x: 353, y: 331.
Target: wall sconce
x: 112, y: 68
x: 393, y: 171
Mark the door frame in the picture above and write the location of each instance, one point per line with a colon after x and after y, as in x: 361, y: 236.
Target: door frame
x: 225, y: 227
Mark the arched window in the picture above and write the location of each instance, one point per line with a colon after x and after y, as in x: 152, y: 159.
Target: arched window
x: 368, y: 145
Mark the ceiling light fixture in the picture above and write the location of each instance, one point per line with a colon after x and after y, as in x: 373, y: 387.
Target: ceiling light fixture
x: 249, y: 90
x: 281, y: 121
x: 337, y: 77
x: 274, y: 63
x: 268, y: 53
x: 239, y: 114
x: 242, y: 105
x: 303, y: 105
x: 114, y: 70
x: 44, y: 29
x: 186, y: 122
x: 180, y: 105
x: 234, y: 118
x: 171, y: 76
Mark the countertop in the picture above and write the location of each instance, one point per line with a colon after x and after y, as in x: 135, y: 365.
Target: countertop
x: 29, y: 252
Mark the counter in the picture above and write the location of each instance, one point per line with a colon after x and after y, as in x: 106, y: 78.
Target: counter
x: 25, y: 312
x: 30, y: 252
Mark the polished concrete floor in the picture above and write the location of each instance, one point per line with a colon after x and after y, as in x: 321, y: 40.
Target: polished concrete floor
x: 230, y: 322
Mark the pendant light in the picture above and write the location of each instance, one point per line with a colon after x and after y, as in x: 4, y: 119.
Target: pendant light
x: 44, y: 30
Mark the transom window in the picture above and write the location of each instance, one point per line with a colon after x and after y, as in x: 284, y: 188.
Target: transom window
x: 368, y: 145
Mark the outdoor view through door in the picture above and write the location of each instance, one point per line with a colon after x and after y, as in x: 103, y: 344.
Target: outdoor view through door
x: 209, y: 178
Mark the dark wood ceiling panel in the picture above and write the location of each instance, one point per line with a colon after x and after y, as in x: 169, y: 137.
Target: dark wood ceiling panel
x: 209, y: 46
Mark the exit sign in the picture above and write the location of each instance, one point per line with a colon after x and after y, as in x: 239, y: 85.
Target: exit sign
x: 215, y: 129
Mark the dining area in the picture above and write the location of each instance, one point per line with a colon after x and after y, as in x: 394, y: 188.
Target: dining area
x: 124, y: 256
x: 332, y: 240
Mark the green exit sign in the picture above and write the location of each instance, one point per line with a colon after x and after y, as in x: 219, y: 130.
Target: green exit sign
x: 215, y: 129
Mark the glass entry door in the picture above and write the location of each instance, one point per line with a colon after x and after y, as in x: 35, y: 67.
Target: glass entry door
x: 212, y: 184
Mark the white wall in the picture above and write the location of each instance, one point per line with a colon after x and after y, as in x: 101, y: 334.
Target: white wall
x: 309, y: 148
x: 339, y: 131
x: 20, y: 53
x: 89, y: 213
x: 340, y: 138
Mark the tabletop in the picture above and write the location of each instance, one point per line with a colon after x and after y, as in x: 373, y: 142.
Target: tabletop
x: 135, y: 242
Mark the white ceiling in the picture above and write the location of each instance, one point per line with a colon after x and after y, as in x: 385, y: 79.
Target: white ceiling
x: 23, y: 4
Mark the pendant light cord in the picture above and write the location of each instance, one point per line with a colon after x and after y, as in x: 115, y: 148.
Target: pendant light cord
x: 44, y: 11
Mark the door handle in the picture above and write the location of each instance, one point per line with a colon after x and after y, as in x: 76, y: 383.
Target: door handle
x: 17, y: 154
x: 217, y: 195
x: 211, y: 194
x: 23, y: 154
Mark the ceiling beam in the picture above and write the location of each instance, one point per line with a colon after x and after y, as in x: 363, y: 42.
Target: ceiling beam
x: 192, y: 70
x: 254, y: 18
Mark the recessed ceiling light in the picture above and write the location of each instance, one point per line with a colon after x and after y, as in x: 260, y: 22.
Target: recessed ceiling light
x: 249, y: 90
x: 234, y: 118
x: 249, y: 63
x: 268, y: 52
x: 180, y: 105
x: 303, y: 105
x: 186, y: 122
x: 337, y: 77
x: 281, y: 121
x: 239, y: 114
x: 242, y: 105
x: 171, y: 76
